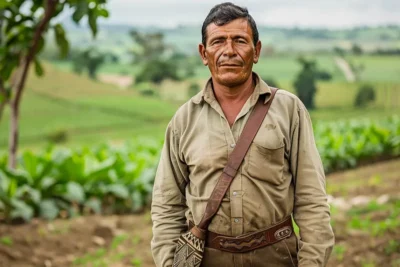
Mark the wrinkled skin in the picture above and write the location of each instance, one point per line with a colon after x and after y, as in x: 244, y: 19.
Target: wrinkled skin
x: 230, y: 53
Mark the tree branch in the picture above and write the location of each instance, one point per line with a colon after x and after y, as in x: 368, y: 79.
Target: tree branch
x: 49, y: 10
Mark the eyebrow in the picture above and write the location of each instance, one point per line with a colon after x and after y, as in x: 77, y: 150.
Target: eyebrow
x: 217, y: 37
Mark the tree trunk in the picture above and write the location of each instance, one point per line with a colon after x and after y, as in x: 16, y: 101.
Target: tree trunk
x: 3, y: 93
x: 3, y: 99
x: 13, y: 138
x: 50, y: 7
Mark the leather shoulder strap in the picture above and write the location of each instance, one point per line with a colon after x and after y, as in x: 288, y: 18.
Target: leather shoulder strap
x: 236, y: 158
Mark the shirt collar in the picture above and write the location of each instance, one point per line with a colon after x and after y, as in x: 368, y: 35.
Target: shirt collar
x: 207, y: 94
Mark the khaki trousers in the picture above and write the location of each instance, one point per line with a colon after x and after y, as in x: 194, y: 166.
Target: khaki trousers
x: 280, y: 254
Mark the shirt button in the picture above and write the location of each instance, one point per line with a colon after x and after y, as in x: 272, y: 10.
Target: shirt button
x: 233, y: 145
x: 236, y: 220
x: 235, y: 193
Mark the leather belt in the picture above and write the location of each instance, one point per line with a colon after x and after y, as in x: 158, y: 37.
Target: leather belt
x: 250, y: 241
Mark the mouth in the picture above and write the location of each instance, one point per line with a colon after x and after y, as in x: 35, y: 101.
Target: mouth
x: 230, y: 65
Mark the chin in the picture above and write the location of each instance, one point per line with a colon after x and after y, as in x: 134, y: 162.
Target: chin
x: 232, y: 79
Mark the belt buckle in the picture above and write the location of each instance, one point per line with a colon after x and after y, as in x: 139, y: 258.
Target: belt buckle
x: 282, y: 233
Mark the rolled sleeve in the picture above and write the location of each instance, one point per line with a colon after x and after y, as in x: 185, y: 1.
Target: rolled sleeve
x: 169, y: 203
x: 311, y: 209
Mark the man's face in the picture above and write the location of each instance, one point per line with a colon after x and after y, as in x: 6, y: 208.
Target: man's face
x: 230, y: 52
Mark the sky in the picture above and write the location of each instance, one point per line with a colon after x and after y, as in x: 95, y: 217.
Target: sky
x: 286, y: 13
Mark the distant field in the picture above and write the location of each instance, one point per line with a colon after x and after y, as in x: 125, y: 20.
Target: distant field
x: 92, y: 112
x: 285, y: 68
x: 379, y: 68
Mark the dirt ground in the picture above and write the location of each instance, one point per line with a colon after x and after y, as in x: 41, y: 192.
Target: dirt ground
x: 119, y: 241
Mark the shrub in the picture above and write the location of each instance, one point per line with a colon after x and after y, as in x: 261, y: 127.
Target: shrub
x: 365, y: 95
x: 146, y: 89
x: 58, y: 136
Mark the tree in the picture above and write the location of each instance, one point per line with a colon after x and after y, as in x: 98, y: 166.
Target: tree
x: 151, y: 52
x: 22, y: 39
x: 157, y: 70
x: 148, y: 46
x: 89, y: 59
x: 356, y: 49
x: 305, y: 83
x: 365, y: 95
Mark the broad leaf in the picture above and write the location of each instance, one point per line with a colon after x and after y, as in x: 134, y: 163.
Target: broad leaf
x: 80, y: 11
x: 117, y: 190
x: 74, y: 192
x: 21, y: 210
x: 27, y: 193
x: 61, y: 40
x: 38, y: 68
x: 92, y: 19
x: 94, y: 204
x: 48, y: 209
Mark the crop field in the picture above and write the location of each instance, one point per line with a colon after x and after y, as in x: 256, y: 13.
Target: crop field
x: 364, y: 210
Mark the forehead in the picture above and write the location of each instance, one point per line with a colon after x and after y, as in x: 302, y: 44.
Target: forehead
x: 238, y: 26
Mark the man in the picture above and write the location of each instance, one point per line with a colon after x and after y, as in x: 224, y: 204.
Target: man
x: 281, y: 174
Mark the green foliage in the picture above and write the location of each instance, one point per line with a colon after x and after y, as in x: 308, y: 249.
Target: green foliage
x: 148, y: 46
x: 18, y: 29
x: 343, y: 144
x: 146, y: 89
x: 58, y: 136
x: 392, y: 247
x: 338, y: 252
x: 365, y: 95
x: 6, y: 240
x: 102, y: 179
x: 305, y: 83
x: 158, y: 60
x: 106, y: 179
x: 323, y: 75
x: 360, y: 219
x: 90, y: 60
x: 158, y: 70
x: 356, y: 49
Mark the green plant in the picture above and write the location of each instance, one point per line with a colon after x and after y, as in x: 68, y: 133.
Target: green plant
x: 392, y: 247
x: 6, y: 240
x: 146, y: 89
x: 102, y: 179
x: 365, y: 95
x: 339, y: 251
x: 305, y: 83
x: 136, y: 262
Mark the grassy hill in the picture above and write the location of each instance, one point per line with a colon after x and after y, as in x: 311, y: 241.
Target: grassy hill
x: 85, y: 111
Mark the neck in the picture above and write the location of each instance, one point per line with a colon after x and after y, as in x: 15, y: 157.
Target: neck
x: 235, y: 94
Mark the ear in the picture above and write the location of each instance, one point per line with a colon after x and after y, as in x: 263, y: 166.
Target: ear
x: 202, y: 52
x: 257, y: 52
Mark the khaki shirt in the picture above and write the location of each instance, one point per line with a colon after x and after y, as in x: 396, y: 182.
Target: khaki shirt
x: 282, y: 174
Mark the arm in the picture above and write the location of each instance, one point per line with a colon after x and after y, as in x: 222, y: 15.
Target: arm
x: 169, y: 203
x: 311, y: 210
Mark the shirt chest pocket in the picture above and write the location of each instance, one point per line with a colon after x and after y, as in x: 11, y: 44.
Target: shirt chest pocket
x: 265, y: 160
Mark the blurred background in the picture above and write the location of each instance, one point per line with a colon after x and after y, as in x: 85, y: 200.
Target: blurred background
x: 87, y: 88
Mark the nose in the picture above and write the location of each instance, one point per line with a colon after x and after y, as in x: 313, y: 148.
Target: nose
x: 229, y: 50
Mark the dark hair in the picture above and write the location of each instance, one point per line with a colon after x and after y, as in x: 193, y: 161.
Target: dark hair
x: 224, y: 13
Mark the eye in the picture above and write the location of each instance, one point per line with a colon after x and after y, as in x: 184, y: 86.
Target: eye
x: 241, y: 41
x: 217, y: 41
